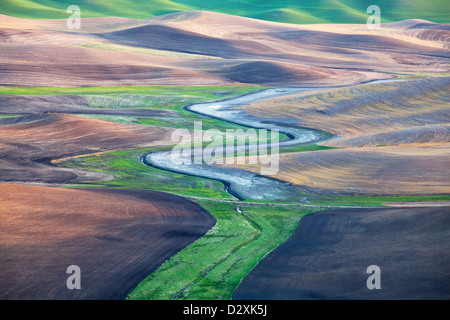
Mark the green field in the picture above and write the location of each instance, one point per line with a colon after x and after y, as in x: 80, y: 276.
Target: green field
x: 161, y: 96
x: 290, y: 11
x: 213, y: 267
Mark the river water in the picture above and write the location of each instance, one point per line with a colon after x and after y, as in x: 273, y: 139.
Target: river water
x: 240, y: 183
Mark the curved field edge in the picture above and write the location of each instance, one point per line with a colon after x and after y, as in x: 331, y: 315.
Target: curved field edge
x: 214, y: 266
x: 327, y: 256
x: 106, y: 232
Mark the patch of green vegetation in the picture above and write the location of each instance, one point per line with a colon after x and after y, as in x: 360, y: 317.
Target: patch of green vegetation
x: 7, y: 116
x: 184, y: 120
x: 290, y: 11
x: 214, y: 266
x: 416, y: 75
x: 129, y: 172
x: 304, y: 148
x: 204, y: 93
x: 371, y: 201
x: 56, y: 9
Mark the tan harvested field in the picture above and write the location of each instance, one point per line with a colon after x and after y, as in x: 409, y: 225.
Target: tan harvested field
x: 368, y: 172
x: 211, y: 48
x: 418, y: 170
x: 116, y: 237
x: 393, y: 138
x: 29, y: 144
x: 388, y: 113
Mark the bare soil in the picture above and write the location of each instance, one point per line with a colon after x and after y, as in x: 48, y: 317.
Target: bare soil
x: 29, y: 144
x: 329, y: 253
x: 116, y: 237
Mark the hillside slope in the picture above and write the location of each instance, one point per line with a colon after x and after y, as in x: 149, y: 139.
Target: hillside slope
x: 208, y: 48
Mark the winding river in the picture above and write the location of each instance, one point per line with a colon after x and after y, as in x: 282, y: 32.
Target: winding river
x: 240, y: 183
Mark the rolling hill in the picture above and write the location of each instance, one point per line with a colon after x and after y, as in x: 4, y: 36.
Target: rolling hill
x: 208, y: 48
x: 392, y: 138
x: 289, y: 11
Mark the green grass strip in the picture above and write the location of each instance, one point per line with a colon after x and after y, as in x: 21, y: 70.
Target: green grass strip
x: 214, y: 266
x: 194, y: 91
x: 371, y: 201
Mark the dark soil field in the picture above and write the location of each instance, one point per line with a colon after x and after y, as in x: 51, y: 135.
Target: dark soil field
x: 329, y: 253
x: 29, y: 144
x: 116, y: 237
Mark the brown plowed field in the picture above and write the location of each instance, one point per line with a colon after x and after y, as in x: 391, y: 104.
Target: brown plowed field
x: 29, y: 143
x: 329, y: 253
x: 116, y: 237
